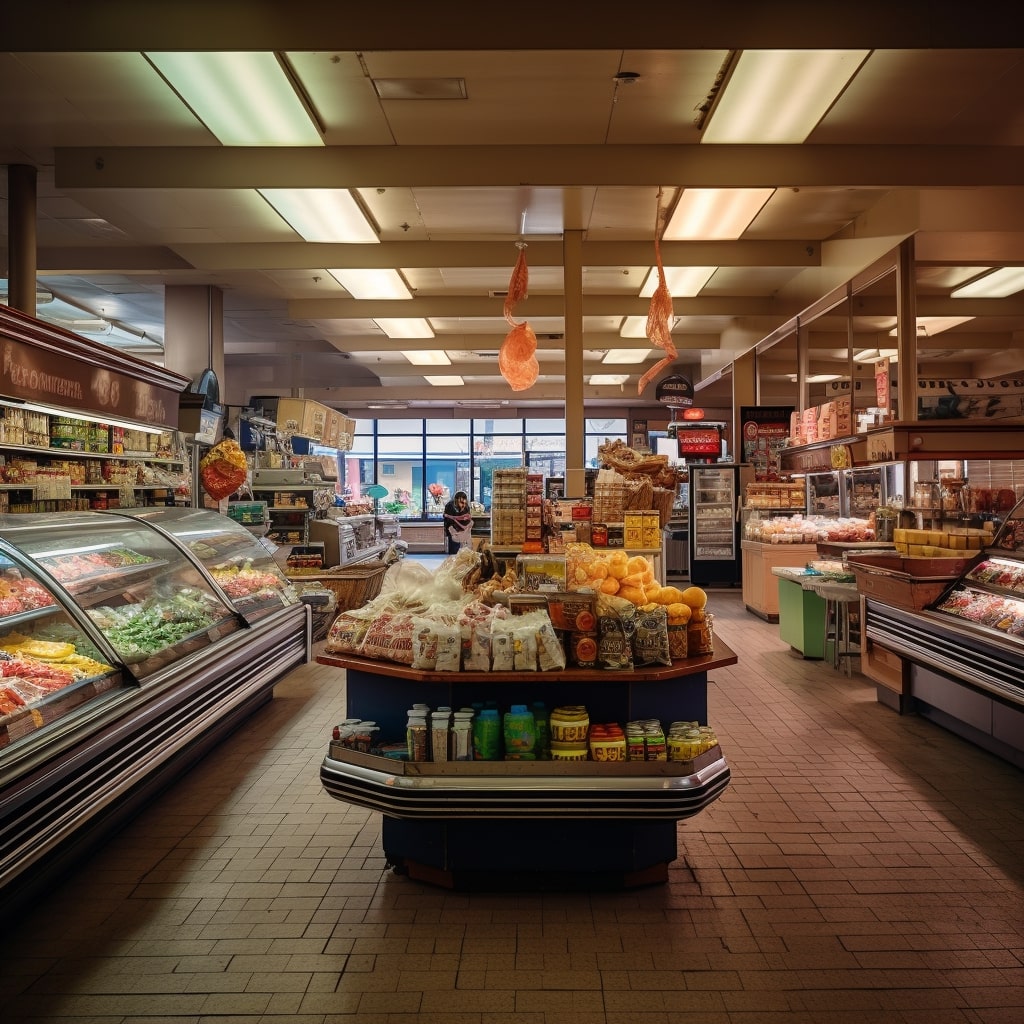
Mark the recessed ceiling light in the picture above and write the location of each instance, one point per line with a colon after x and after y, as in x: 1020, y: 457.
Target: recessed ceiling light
x: 997, y: 285
x: 420, y: 88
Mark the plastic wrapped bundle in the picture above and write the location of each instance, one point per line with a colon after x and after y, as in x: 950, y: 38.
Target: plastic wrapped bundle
x: 659, y: 313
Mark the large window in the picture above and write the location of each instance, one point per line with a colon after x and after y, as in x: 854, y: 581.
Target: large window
x: 422, y: 463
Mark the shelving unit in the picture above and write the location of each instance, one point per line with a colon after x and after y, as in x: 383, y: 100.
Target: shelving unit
x: 287, y: 523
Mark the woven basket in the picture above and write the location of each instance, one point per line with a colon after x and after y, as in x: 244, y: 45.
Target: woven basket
x: 355, y: 585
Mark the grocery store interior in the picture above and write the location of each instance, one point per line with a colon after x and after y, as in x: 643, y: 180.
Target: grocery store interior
x: 713, y: 318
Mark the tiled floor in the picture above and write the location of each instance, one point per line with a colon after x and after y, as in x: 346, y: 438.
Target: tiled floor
x: 862, y: 867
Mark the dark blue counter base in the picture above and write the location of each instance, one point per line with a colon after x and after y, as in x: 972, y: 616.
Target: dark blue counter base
x: 503, y: 856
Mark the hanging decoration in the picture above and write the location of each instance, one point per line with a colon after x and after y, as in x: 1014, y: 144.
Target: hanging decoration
x: 517, y: 358
x: 659, y: 313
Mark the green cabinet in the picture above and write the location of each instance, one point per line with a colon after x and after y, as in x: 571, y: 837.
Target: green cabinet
x: 801, y: 617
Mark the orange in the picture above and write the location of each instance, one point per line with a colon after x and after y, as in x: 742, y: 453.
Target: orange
x: 694, y: 597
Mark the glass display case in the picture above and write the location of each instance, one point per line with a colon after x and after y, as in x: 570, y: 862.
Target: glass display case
x: 241, y: 567
x: 49, y: 662
x: 150, y: 604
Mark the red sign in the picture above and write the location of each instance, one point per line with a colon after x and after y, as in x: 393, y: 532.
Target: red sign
x: 693, y: 414
x: 700, y: 441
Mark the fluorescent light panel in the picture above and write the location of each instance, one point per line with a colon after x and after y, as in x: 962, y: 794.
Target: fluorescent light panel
x: 608, y: 378
x: 997, y: 285
x: 322, y: 214
x: 633, y: 327
x: 433, y: 358
x: 683, y: 282
x: 817, y: 378
x: 372, y: 284
x: 871, y: 355
x: 625, y: 356
x: 444, y: 382
x: 404, y: 327
x: 779, y: 96
x: 929, y: 326
x: 244, y: 99
x: 111, y: 421
x: 715, y: 213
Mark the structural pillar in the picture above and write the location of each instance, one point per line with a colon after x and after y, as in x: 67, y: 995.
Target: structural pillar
x: 21, y: 238
x: 575, y: 445
x: 194, y: 330
x: 906, y: 333
x: 744, y: 392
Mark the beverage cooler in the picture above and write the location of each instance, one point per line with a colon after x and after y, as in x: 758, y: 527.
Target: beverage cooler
x: 131, y: 641
x: 716, y: 494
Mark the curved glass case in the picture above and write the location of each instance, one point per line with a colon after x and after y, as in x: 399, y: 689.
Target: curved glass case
x: 242, y: 568
x: 150, y: 604
x: 49, y: 664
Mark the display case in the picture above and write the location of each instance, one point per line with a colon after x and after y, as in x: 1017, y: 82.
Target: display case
x: 965, y: 650
x: 123, y: 661
x: 468, y: 823
x: 243, y: 570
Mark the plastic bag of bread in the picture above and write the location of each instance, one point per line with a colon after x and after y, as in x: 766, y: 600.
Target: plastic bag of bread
x: 222, y: 470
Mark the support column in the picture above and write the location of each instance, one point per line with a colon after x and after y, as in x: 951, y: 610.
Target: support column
x: 906, y: 333
x: 194, y: 330
x: 21, y: 238
x: 575, y: 445
x: 744, y: 392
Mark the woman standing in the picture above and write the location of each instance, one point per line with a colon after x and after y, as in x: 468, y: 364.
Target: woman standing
x: 458, y: 522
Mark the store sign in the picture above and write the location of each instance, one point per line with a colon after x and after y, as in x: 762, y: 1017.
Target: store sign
x: 702, y: 441
x: 39, y: 376
x: 970, y: 399
x: 764, y: 431
x: 676, y: 392
x: 693, y: 414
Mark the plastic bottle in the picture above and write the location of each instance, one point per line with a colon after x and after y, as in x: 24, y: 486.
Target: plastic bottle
x: 542, y: 744
x: 440, y: 729
x: 520, y: 734
x: 416, y: 735
x: 462, y: 735
x: 487, y: 735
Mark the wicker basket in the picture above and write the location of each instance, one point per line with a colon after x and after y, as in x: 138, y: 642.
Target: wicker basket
x: 353, y: 585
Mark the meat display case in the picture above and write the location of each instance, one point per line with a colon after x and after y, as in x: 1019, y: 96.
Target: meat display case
x: 966, y: 649
x: 130, y: 642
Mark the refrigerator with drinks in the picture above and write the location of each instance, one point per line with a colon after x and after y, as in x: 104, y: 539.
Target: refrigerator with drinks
x: 715, y: 496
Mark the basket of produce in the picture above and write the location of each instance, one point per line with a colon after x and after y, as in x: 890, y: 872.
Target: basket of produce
x: 355, y: 585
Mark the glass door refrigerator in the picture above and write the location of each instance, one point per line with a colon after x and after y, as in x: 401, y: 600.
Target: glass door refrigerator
x: 716, y: 493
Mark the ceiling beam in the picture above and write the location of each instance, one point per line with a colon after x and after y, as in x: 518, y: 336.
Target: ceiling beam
x: 454, y: 343
x: 325, y: 25
x: 416, y: 254
x: 690, y: 166
x: 535, y: 306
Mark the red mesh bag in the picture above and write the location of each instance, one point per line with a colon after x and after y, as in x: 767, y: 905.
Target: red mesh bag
x: 517, y: 358
x: 659, y: 313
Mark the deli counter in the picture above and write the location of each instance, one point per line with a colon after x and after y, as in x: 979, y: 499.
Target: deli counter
x: 130, y: 642
x: 962, y: 655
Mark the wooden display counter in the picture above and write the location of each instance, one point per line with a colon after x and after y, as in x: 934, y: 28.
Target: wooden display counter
x: 502, y: 825
x: 760, y: 586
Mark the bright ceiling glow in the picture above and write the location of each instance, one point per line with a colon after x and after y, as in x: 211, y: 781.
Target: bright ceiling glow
x: 434, y: 358
x: 244, y: 99
x: 779, y: 96
x: 871, y: 355
x: 372, y: 284
x: 404, y: 327
x: 321, y: 214
x: 608, y: 378
x: 444, y: 382
x: 817, y: 378
x: 997, y: 285
x: 683, y: 282
x: 929, y: 326
x: 715, y: 213
x: 624, y: 356
x: 633, y: 327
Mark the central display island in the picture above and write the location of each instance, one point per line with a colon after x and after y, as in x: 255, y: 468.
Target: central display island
x: 494, y: 825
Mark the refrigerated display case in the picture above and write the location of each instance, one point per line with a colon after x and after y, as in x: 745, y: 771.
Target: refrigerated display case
x: 123, y: 661
x: 242, y: 569
x: 714, y: 522
x: 965, y: 650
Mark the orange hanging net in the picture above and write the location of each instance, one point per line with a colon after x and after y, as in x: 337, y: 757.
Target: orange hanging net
x: 659, y: 313
x: 517, y: 358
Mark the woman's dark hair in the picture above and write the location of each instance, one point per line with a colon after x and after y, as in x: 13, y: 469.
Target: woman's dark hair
x: 460, y: 494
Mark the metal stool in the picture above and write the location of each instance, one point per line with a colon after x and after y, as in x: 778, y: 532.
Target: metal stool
x: 838, y: 597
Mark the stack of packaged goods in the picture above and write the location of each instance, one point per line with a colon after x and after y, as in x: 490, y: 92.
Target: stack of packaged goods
x: 508, y: 507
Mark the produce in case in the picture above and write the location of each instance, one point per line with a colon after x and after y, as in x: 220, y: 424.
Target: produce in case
x: 140, y: 631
